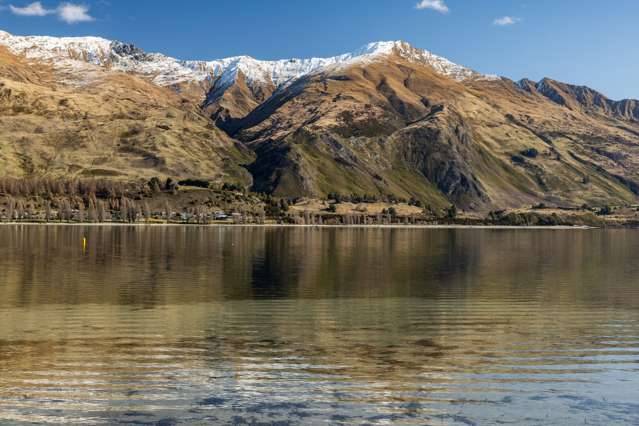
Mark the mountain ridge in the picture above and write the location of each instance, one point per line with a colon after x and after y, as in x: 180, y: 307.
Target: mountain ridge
x: 388, y: 120
x: 571, y: 95
x: 108, y: 53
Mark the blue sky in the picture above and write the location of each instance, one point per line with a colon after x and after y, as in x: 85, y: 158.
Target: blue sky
x: 592, y: 42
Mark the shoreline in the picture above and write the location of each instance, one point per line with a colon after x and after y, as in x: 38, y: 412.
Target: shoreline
x: 277, y: 225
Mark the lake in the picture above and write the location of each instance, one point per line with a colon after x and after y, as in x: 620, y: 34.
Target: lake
x: 246, y: 325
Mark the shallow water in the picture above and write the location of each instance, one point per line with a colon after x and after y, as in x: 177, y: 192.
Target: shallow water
x: 230, y: 325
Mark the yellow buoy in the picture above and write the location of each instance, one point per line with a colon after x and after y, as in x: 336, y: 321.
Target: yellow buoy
x: 84, y: 243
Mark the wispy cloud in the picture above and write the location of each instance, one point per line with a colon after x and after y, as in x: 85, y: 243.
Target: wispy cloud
x: 33, y: 9
x: 436, y: 5
x: 70, y: 13
x: 506, y: 21
x: 74, y: 13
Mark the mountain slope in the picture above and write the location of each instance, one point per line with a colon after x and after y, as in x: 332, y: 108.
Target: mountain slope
x: 398, y: 128
x: 387, y: 120
x: 120, y: 127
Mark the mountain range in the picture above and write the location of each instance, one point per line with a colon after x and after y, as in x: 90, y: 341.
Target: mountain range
x: 387, y: 119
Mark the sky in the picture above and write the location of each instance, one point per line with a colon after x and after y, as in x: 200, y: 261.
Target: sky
x: 589, y: 42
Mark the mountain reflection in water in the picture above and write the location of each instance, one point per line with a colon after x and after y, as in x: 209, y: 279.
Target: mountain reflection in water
x: 305, y: 326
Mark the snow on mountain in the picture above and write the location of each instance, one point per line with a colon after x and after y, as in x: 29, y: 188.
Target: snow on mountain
x: 76, y: 52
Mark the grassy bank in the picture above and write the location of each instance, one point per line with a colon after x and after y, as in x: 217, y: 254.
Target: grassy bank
x: 195, y: 202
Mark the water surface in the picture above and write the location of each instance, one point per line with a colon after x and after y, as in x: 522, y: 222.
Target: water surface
x: 206, y: 325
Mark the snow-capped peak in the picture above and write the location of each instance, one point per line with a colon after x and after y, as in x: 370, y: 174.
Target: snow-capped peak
x: 73, y: 52
x: 279, y: 72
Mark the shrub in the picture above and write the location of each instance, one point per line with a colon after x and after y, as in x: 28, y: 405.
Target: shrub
x: 170, y: 184
x: 335, y: 196
x: 199, y: 183
x: 273, y: 209
x: 133, y: 131
x: 530, y: 153
x: 496, y: 215
x: 232, y: 187
x: 369, y: 198
x: 451, y: 212
x: 518, y: 159
x: 154, y: 184
x: 605, y: 211
x: 416, y: 203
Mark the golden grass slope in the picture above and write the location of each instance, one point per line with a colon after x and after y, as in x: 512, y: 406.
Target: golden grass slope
x: 389, y: 128
x: 110, y: 125
x: 394, y: 127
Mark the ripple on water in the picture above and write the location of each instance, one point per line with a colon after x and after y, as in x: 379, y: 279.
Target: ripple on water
x: 200, y: 325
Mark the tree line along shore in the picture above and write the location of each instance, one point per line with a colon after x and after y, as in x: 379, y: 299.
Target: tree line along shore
x: 190, y: 201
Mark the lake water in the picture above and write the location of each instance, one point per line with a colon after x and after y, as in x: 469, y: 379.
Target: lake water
x: 215, y: 325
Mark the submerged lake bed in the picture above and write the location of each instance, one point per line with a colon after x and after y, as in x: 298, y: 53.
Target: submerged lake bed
x: 245, y: 325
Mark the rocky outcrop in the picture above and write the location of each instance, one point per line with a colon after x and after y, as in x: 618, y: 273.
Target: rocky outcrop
x: 441, y: 147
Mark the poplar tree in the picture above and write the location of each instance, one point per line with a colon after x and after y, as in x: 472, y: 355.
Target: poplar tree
x: 91, y: 212
x: 101, y: 213
x: 123, y: 209
x: 81, y: 212
x: 47, y: 211
x: 11, y: 207
x: 146, y: 211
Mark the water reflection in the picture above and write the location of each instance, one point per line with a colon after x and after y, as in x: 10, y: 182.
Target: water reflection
x: 231, y: 325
